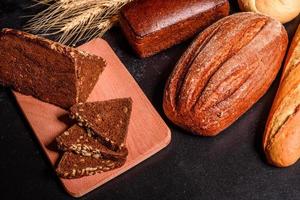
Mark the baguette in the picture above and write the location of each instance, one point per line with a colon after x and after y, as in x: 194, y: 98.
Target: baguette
x: 281, y: 141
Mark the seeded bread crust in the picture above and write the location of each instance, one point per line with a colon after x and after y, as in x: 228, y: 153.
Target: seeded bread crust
x: 73, y: 165
x: 107, y: 120
x: 47, y: 70
x: 76, y: 139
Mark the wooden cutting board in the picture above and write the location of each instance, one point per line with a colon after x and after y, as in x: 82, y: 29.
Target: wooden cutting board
x: 147, y: 133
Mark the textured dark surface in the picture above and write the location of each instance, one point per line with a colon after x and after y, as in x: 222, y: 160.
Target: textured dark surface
x: 229, y: 166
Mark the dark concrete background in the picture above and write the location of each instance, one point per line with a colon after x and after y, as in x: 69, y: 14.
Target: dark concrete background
x: 229, y: 166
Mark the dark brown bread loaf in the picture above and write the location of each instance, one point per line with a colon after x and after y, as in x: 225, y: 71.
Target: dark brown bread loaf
x: 76, y: 139
x: 47, y: 70
x: 154, y: 25
x: 73, y: 165
x: 224, y: 72
x: 107, y: 120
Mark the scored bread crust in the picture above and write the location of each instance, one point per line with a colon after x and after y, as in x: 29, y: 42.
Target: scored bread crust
x: 281, y: 141
x: 224, y: 72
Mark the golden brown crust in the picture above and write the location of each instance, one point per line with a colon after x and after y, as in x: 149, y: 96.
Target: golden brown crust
x: 283, y: 149
x: 282, y: 10
x: 224, y: 72
x: 281, y: 141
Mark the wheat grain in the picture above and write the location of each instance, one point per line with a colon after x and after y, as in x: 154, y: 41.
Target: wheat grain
x: 75, y: 20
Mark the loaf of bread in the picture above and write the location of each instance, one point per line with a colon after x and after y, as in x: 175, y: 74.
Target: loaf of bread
x: 47, y: 70
x: 282, y: 10
x: 224, y: 72
x: 281, y: 141
x: 154, y: 25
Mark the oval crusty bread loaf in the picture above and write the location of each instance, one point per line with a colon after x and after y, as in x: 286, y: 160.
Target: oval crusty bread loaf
x: 281, y: 140
x: 224, y: 72
x: 282, y: 10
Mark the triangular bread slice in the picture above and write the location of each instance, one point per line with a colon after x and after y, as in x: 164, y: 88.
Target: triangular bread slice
x: 73, y: 165
x: 76, y: 139
x: 108, y: 120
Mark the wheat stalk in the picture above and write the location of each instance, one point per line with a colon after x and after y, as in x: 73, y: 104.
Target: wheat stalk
x: 75, y: 20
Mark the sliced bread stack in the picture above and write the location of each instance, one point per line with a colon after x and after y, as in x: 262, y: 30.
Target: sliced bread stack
x: 96, y: 143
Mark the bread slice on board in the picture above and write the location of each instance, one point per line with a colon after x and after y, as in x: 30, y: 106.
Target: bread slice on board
x: 108, y: 120
x: 77, y: 139
x: 74, y: 165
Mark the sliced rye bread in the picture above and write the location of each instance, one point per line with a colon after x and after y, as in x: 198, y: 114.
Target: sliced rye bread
x: 77, y: 139
x: 47, y: 70
x: 73, y: 165
x: 108, y: 120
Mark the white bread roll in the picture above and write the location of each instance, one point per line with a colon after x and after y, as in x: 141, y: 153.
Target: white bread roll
x: 282, y: 10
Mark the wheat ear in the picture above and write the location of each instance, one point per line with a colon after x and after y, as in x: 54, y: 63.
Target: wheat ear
x: 75, y: 20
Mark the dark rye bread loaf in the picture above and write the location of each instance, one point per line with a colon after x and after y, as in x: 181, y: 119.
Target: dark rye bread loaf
x: 49, y: 71
x: 151, y: 26
x: 73, y: 165
x: 76, y: 139
x: 107, y: 120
